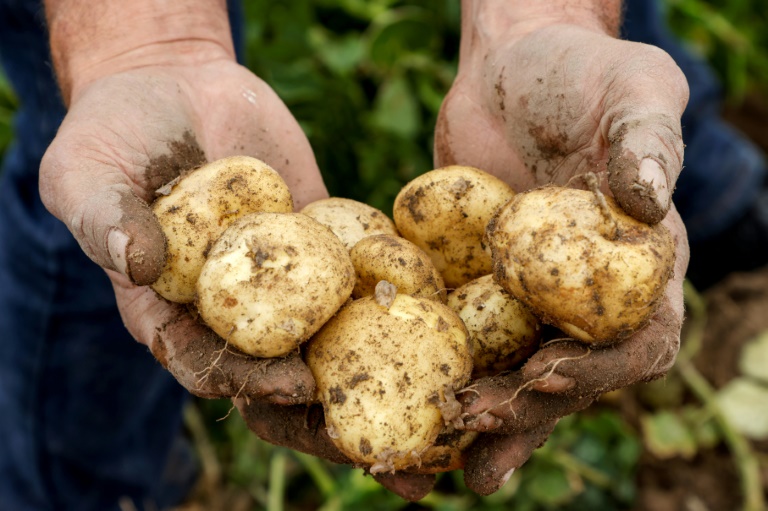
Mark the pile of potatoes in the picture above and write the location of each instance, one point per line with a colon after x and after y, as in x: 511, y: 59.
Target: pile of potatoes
x: 395, y: 317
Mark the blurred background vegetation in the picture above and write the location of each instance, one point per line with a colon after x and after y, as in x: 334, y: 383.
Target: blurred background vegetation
x: 365, y: 79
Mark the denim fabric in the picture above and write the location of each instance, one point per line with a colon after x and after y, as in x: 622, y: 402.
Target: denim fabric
x: 723, y: 171
x: 87, y: 416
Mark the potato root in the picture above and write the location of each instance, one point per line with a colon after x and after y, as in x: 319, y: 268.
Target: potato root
x: 385, y: 375
x: 445, y: 213
x: 198, y: 208
x: 581, y: 263
x: 272, y: 280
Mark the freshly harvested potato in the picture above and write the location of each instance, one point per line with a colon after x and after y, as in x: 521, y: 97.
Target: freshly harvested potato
x: 581, y: 263
x: 503, y: 331
x: 350, y: 220
x: 272, y: 280
x: 398, y: 261
x: 447, y: 453
x: 445, y: 212
x: 386, y: 367
x: 200, y: 206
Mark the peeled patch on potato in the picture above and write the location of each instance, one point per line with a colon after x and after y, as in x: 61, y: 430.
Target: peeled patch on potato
x: 272, y: 280
x: 581, y: 263
x: 504, y: 333
x: 385, y: 375
x: 200, y: 206
x: 398, y: 261
x: 445, y: 212
x: 350, y: 220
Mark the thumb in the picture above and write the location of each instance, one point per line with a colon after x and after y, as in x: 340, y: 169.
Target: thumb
x: 97, y: 201
x: 645, y: 136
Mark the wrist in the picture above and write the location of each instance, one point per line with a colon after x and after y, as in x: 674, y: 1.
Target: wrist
x: 488, y: 24
x: 90, y: 40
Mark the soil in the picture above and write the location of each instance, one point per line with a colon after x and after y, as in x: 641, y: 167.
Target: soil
x: 737, y: 310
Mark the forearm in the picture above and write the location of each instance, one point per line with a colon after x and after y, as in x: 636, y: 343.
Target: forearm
x: 486, y: 22
x: 92, y: 39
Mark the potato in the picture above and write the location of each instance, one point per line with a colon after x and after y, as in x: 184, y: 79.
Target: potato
x: 386, y: 367
x: 447, y: 453
x: 581, y: 263
x: 396, y: 260
x: 350, y: 220
x: 504, y: 333
x: 445, y: 212
x: 201, y: 205
x: 272, y: 280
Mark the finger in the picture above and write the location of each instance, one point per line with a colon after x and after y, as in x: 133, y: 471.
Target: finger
x: 492, y: 459
x: 578, y: 369
x: 200, y: 360
x: 299, y: 427
x: 571, y: 367
x: 411, y: 487
x: 103, y: 168
x: 506, y: 405
x: 644, y: 133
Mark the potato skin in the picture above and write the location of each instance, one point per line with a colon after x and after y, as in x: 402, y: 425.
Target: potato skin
x: 445, y: 212
x: 381, y: 373
x: 272, y: 280
x: 596, y: 274
x: 349, y: 219
x: 504, y: 333
x: 398, y: 261
x: 204, y: 203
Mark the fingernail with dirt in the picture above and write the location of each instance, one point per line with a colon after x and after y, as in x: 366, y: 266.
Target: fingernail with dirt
x: 651, y: 173
x: 506, y: 477
x: 117, y: 245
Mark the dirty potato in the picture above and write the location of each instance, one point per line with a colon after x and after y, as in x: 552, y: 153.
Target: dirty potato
x: 350, y: 220
x: 198, y: 208
x: 504, y: 333
x: 396, y: 260
x: 272, y: 280
x: 445, y: 212
x: 386, y: 367
x: 581, y: 263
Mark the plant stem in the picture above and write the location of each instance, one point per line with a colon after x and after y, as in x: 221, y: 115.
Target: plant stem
x: 743, y: 456
x: 276, y: 481
x: 318, y: 472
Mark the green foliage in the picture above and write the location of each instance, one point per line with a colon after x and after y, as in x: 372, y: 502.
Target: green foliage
x: 732, y: 35
x: 8, y: 105
x: 365, y: 79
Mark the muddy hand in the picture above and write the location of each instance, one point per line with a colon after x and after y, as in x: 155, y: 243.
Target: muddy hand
x: 546, y: 100
x: 565, y: 376
x: 302, y: 428
x: 128, y: 134
x: 545, y: 94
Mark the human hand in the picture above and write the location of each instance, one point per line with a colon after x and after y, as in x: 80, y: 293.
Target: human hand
x: 539, y: 100
x: 303, y: 428
x: 127, y: 133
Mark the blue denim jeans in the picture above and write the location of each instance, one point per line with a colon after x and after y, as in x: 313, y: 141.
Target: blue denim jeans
x: 88, y: 418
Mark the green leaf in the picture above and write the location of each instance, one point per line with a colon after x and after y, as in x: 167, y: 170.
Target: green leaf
x: 667, y: 436
x: 754, y: 358
x: 551, y: 486
x: 744, y: 402
x: 395, y: 109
